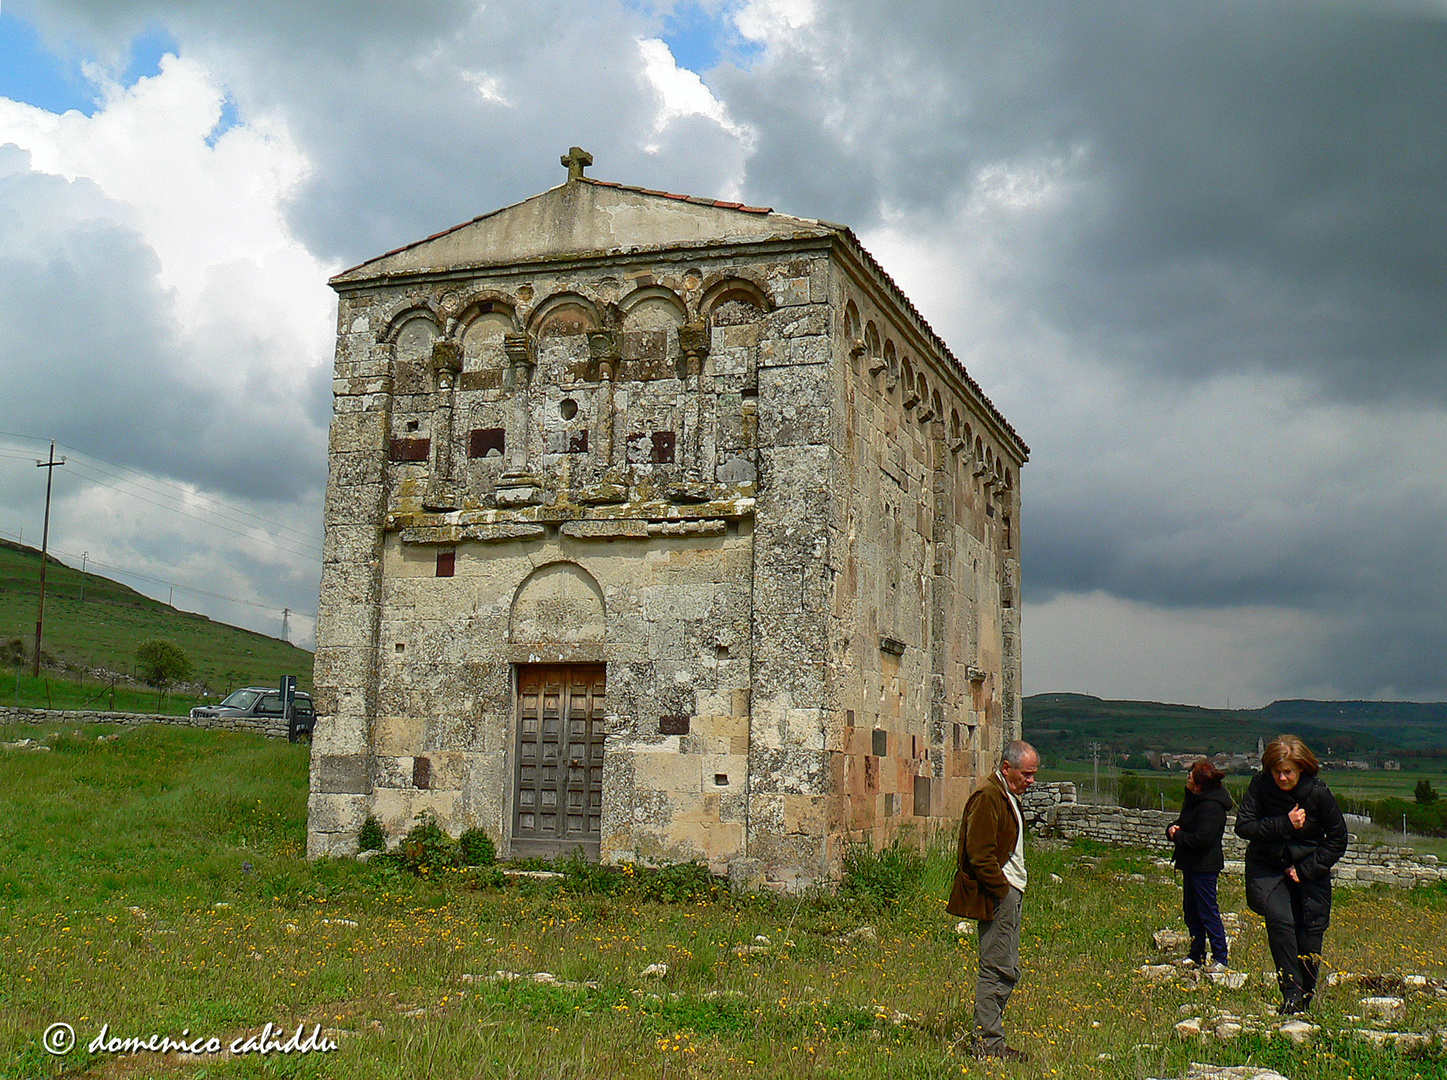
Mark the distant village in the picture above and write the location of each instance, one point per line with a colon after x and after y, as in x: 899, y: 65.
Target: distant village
x: 1248, y: 763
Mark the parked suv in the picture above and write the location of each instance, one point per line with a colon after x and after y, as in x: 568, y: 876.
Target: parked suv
x: 262, y: 703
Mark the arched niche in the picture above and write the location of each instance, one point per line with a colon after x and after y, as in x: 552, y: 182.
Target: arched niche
x: 733, y: 301
x: 564, y: 315
x: 651, y: 318
x: 483, y: 327
x: 412, y: 335
x: 652, y: 307
x: 558, y: 604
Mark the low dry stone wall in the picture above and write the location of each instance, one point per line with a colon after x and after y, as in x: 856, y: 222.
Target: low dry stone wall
x: 272, y: 729
x: 1052, y: 810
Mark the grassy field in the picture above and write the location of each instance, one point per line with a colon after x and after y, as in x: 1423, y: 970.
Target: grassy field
x: 104, y: 630
x: 155, y: 883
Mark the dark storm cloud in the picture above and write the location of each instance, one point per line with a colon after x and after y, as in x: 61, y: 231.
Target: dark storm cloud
x: 96, y: 359
x: 1248, y: 186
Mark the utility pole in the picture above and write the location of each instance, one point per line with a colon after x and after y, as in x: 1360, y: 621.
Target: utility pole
x: 285, y: 612
x: 84, y: 556
x: 49, y: 467
x: 1095, y: 773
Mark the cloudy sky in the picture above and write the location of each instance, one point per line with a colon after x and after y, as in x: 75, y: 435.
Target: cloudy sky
x: 1196, y: 252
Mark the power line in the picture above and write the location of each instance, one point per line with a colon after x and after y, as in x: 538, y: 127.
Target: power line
x: 269, y: 541
x: 177, y: 585
x: 180, y: 493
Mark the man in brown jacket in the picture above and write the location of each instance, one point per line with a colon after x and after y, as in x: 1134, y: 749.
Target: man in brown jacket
x: 989, y: 887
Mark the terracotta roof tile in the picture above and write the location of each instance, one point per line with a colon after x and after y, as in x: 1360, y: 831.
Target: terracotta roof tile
x: 720, y: 203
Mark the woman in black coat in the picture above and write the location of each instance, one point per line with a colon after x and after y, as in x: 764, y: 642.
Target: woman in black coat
x: 1296, y: 834
x: 1197, y: 835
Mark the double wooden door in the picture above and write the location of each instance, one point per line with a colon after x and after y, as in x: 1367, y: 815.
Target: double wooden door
x: 558, y: 776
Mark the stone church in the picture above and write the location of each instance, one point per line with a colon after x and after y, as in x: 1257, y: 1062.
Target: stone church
x: 659, y: 527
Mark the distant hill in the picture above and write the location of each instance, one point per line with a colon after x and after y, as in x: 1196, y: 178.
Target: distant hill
x: 1065, y: 724
x: 103, y: 632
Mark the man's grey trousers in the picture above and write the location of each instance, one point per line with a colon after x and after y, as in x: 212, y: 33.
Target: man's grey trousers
x: 999, y: 970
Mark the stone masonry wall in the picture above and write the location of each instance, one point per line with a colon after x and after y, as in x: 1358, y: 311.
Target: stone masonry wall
x: 924, y: 555
x: 1051, y: 809
x: 272, y: 729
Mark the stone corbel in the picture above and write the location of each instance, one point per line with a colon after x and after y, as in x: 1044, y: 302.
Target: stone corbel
x: 857, y: 348
x: 877, y: 364
x: 911, y: 399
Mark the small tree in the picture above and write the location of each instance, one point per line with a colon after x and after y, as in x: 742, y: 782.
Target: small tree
x: 1424, y: 792
x: 161, y: 663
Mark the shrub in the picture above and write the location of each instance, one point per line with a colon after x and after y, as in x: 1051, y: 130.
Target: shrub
x: 1425, y: 819
x: 584, y: 877
x: 475, y: 848
x: 427, y: 846
x: 371, y: 837
x: 881, y: 878
x: 1424, y: 793
x: 679, y: 882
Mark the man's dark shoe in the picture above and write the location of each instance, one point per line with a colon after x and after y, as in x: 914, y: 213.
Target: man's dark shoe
x: 999, y: 1053
x: 1292, y: 1006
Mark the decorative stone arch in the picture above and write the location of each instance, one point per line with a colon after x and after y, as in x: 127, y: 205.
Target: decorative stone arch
x: 937, y: 407
x: 853, y: 336
x: 653, y: 298
x: 400, y: 314
x: 559, y: 607
x: 873, y: 349
x: 565, y: 313
x: 480, y: 329
x: 732, y: 290
x: 489, y: 302
x: 891, y: 367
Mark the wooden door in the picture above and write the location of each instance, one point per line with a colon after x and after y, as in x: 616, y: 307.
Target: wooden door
x: 558, y: 776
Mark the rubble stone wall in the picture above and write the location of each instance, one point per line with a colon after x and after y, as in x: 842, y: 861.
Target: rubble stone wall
x: 272, y: 729
x: 1051, y: 809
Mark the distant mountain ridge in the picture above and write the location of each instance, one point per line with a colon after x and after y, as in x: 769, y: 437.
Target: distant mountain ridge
x: 1067, y: 723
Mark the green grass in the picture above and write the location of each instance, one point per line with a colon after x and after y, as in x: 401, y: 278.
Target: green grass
x: 104, y: 630
x: 155, y: 882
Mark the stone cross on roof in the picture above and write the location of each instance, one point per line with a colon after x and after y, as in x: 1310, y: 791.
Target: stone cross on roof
x: 576, y: 159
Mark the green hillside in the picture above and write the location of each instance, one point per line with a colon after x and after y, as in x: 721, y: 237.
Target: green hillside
x: 104, y: 630
x: 1065, y: 724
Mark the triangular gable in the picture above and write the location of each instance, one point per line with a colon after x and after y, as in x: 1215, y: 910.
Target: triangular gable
x: 585, y: 216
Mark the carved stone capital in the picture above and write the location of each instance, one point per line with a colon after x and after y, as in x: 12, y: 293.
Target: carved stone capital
x: 446, y: 356
x: 693, y: 339
x: 605, y: 351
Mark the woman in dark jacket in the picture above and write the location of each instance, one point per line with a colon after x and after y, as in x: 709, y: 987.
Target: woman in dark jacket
x: 1197, y: 835
x: 1296, y: 834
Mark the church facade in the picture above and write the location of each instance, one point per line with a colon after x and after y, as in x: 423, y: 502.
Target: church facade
x: 660, y: 527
